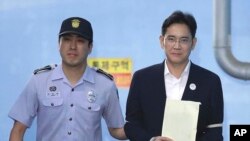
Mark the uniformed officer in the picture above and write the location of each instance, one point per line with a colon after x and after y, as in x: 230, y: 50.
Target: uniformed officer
x: 69, y: 100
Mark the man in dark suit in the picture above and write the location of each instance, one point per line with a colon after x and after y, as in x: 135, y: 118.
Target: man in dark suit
x: 177, y: 78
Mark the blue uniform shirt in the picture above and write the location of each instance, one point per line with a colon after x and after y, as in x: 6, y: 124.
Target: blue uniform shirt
x: 66, y: 113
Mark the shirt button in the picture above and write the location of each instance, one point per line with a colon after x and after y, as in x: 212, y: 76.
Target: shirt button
x: 71, y: 105
x: 69, y: 133
x: 72, y: 89
x: 52, y: 104
x: 70, y: 119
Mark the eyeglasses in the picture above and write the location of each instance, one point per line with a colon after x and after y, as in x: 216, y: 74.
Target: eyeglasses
x: 171, y: 40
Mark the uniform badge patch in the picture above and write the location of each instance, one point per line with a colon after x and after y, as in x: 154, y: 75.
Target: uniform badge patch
x: 52, y: 93
x: 75, y: 23
x: 91, y: 96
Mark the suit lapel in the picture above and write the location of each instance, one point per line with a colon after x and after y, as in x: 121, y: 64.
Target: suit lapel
x: 160, y: 83
x: 191, y: 86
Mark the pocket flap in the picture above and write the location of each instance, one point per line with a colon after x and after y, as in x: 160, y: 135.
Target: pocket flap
x: 52, y: 102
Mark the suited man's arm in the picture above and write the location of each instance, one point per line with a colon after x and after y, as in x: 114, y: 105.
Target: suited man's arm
x: 134, y: 127
x: 214, y: 128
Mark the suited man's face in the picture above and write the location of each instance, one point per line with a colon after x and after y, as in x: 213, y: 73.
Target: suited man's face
x: 177, y: 43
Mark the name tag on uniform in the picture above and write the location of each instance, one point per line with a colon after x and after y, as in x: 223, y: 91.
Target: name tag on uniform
x: 53, y: 93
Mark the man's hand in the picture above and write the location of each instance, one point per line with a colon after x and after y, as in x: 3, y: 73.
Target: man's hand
x: 160, y: 138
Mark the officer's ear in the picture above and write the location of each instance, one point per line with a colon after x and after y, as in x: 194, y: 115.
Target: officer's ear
x: 59, y: 41
x: 90, y: 47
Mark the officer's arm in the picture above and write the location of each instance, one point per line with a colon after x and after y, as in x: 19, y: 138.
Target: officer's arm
x: 118, y: 133
x: 17, y: 131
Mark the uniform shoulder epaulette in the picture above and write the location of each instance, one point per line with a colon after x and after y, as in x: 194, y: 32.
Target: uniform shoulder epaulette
x: 105, y: 73
x: 45, y: 68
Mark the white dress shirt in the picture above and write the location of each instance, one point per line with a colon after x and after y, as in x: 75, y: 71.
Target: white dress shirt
x: 175, y: 86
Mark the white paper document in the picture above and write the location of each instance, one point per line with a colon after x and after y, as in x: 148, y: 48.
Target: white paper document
x: 180, y: 120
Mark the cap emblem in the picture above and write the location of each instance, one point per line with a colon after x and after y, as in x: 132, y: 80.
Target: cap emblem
x: 75, y: 23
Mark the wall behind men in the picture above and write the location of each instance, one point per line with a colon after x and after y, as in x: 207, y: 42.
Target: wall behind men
x: 29, y: 40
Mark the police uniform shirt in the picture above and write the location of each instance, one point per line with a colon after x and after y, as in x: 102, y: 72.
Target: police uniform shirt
x: 66, y: 113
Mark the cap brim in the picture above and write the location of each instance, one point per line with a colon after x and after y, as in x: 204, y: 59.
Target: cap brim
x: 74, y: 32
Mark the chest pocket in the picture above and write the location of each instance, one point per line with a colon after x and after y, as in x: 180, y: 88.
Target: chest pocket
x: 91, y: 107
x: 55, y: 102
x: 51, y: 107
x: 90, y: 115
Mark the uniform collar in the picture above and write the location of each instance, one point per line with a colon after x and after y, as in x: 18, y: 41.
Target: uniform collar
x: 87, y: 76
x: 57, y: 73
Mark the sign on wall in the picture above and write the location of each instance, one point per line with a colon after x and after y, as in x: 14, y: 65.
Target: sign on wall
x: 120, y: 68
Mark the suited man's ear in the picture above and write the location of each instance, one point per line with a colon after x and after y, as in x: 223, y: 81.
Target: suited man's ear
x: 194, y: 40
x: 162, y: 41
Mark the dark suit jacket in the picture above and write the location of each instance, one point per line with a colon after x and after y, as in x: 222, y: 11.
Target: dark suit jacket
x: 147, y: 97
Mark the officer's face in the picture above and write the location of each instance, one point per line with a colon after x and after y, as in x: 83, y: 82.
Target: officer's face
x: 177, y: 44
x: 74, y: 50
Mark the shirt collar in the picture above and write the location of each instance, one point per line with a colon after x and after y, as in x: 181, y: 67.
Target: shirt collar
x: 57, y: 73
x: 186, y: 70
x: 87, y: 76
